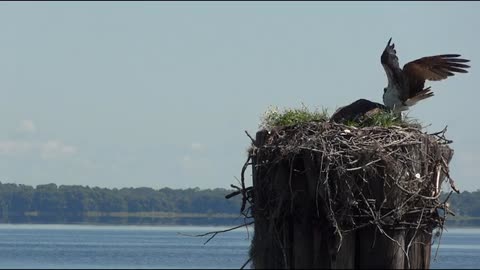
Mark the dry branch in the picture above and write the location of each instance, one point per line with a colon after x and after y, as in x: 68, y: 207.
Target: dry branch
x: 341, y: 163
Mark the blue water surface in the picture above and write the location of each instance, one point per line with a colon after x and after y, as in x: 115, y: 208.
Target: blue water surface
x: 85, y: 246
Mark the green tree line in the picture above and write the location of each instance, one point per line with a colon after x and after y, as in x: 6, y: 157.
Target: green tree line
x: 72, y: 202
x: 76, y: 200
x: 465, y: 204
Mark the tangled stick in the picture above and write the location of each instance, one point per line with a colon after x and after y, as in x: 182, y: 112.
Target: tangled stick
x: 345, y: 160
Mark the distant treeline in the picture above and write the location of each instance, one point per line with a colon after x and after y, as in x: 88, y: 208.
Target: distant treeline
x: 466, y: 204
x: 51, y: 203
x: 83, y: 204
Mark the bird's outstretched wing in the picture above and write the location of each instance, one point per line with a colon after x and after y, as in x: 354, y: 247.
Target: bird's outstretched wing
x: 389, y: 61
x: 432, y: 68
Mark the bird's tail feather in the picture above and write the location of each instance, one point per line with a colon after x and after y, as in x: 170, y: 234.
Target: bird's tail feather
x: 425, y: 93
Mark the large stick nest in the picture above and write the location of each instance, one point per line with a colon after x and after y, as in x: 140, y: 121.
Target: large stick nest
x: 389, y: 177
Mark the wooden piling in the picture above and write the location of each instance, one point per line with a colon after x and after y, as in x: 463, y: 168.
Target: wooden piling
x: 293, y: 223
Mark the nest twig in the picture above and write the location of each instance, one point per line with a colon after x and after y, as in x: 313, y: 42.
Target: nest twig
x: 344, y: 160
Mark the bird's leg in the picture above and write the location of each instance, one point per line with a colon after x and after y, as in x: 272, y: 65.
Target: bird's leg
x: 396, y: 113
x: 399, y: 115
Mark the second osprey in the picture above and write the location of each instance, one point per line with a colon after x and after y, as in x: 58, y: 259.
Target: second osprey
x: 407, y: 86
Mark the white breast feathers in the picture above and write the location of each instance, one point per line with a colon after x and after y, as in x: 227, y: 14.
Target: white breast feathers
x: 391, y: 99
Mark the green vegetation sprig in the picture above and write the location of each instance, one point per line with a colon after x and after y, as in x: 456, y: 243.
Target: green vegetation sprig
x: 274, y: 117
x: 384, y: 119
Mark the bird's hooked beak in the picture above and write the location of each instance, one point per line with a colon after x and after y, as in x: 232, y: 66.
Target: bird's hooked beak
x: 388, y: 44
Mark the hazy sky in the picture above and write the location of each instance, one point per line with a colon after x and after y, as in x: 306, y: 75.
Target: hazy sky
x: 129, y: 94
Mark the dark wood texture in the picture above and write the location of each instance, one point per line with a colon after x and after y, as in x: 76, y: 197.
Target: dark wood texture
x: 303, y: 237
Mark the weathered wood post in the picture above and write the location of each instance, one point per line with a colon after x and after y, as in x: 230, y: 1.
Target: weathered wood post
x: 326, y: 195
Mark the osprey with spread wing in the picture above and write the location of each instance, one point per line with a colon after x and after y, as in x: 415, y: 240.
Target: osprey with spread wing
x: 407, y: 86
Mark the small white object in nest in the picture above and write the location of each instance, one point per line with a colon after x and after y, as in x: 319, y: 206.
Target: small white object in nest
x: 347, y: 131
x: 417, y: 175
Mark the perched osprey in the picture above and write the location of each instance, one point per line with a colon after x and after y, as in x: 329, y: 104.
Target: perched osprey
x: 406, y: 87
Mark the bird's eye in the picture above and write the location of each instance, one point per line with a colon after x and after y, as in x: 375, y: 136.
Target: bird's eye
x: 384, y: 90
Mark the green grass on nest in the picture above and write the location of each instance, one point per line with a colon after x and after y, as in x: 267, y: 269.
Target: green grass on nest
x: 274, y: 117
x: 384, y: 119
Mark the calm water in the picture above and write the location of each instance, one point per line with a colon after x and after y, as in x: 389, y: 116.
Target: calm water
x: 82, y: 246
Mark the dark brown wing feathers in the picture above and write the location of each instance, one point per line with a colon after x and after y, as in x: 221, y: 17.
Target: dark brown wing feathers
x: 432, y: 68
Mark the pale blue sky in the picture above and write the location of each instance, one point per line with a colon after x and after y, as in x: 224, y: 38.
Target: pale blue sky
x: 129, y: 94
